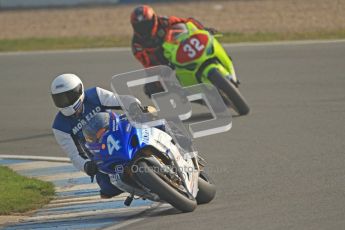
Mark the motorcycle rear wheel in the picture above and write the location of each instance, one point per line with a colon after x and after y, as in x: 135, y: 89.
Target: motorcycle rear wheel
x: 156, y: 184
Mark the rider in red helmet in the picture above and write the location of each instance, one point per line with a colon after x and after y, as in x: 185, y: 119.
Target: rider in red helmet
x: 149, y: 32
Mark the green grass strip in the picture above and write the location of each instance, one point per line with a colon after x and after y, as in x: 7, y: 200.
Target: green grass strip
x: 30, y: 44
x: 268, y: 37
x: 21, y: 194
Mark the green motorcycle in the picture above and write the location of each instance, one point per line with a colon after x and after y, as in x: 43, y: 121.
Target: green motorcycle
x: 199, y: 58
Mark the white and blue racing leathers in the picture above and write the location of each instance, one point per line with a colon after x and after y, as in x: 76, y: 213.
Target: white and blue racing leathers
x: 68, y: 130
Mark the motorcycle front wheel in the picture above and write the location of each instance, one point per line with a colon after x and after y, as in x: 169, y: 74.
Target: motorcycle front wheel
x: 207, y: 189
x: 231, y: 95
x: 149, y: 178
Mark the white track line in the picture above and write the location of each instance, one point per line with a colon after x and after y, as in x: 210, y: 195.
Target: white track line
x: 62, y: 176
x: 74, y: 199
x: 127, y: 49
x: 125, y: 223
x: 36, y: 158
x: 93, y: 199
x: 77, y: 199
x: 144, y: 214
x: 61, y: 216
x: 76, y: 187
x: 36, y: 165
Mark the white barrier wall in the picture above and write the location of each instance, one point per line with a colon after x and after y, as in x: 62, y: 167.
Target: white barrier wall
x: 50, y: 3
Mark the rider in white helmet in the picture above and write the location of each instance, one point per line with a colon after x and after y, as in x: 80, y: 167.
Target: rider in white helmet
x: 68, y: 93
x: 77, y: 106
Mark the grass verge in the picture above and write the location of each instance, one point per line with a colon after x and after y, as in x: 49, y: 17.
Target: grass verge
x: 21, y: 194
x: 268, y: 37
x: 30, y: 44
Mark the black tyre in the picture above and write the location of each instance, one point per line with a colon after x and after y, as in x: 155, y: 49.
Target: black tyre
x: 207, y: 190
x: 157, y: 185
x: 229, y: 92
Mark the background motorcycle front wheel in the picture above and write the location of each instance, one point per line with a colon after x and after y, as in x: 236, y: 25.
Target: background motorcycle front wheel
x: 229, y: 92
x: 156, y: 184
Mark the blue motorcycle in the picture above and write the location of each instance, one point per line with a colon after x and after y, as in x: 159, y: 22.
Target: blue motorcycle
x: 147, y: 163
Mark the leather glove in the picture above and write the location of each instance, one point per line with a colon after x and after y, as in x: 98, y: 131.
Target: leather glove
x: 148, y: 109
x: 90, y: 167
x: 151, y: 109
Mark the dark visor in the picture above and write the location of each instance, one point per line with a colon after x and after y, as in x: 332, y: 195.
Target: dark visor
x: 67, y: 98
x: 144, y: 28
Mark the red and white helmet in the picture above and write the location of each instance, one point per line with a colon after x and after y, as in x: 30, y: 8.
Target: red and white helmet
x: 68, y: 93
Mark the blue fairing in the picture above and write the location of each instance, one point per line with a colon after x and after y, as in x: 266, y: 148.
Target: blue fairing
x: 119, y: 144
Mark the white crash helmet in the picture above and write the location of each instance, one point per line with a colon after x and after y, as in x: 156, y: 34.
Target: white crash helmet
x: 68, y: 93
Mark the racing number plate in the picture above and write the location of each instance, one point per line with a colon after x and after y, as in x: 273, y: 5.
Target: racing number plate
x: 192, y: 48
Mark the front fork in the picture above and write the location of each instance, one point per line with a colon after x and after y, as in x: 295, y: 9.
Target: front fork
x: 232, y: 71
x: 231, y: 76
x: 225, y: 63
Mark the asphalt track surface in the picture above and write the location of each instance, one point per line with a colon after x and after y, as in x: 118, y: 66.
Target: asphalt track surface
x: 281, y: 167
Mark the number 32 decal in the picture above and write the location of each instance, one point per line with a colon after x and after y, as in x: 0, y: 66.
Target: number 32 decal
x: 192, y: 48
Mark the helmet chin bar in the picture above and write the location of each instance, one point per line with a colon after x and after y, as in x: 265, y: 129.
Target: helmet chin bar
x: 72, y: 109
x: 68, y: 111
